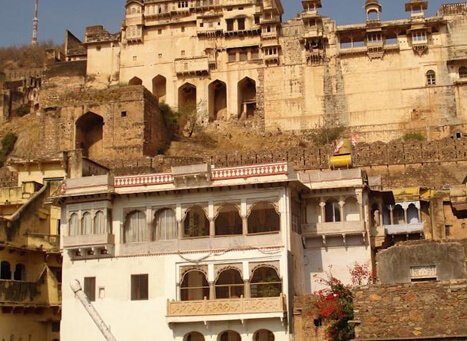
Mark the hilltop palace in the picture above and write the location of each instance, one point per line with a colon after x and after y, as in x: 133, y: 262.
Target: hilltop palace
x: 233, y: 59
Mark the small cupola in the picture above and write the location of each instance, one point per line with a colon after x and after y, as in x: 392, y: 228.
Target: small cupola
x: 416, y: 8
x: 373, y: 10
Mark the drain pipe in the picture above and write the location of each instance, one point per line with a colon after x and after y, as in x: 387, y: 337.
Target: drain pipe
x: 78, y: 291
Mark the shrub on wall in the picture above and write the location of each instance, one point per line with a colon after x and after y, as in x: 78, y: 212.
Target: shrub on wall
x: 413, y: 137
x: 7, y: 145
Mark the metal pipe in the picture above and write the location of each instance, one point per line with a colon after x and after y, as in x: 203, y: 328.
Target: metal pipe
x: 78, y: 291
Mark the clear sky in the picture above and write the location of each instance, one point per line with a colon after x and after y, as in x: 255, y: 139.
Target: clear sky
x: 57, y: 15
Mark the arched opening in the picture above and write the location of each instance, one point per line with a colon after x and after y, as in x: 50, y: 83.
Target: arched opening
x: 398, y: 215
x: 86, y: 224
x: 332, y: 211
x: 412, y: 214
x: 166, y: 224
x: 352, y: 210
x: 73, y: 225
x: 228, y: 221
x: 20, y: 273
x: 229, y: 284
x: 229, y: 335
x: 136, y: 228
x: 196, y: 224
x: 135, y: 81
x: 193, y: 336
x: 217, y: 100
x: 194, y: 286
x: 265, y: 283
x: 159, y: 87
x: 246, y: 98
x: 99, y: 223
x: 263, y: 335
x: 430, y: 77
x: 263, y: 219
x: 187, y: 99
x: 89, y: 134
x: 372, y: 14
x: 5, y: 270
x: 463, y: 72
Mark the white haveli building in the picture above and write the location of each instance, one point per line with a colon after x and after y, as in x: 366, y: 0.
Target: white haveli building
x: 205, y: 253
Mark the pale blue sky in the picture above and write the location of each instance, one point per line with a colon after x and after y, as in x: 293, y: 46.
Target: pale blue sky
x: 57, y: 15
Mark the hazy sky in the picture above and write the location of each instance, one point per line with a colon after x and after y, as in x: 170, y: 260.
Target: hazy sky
x: 57, y: 15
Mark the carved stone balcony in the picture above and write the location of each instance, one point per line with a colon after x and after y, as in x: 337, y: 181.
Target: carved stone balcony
x: 226, y: 309
x: 192, y: 66
x: 88, y: 240
x: 313, y: 32
x: 404, y: 229
x: 342, y: 228
x: 19, y: 292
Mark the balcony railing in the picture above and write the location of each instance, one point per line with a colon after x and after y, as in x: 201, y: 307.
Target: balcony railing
x: 185, y: 66
x: 334, y: 228
x: 403, y: 228
x: 227, y: 309
x: 19, y: 292
x: 88, y: 240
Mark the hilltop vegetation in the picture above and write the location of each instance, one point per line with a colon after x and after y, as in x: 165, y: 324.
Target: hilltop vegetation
x: 26, y: 56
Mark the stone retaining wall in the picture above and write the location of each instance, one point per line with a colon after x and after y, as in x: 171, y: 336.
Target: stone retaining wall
x: 423, y: 309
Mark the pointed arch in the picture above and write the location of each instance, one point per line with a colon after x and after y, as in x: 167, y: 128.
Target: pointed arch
x: 135, y: 81
x: 187, y: 98
x: 229, y: 284
x: 246, y: 97
x: 159, y: 87
x: 217, y: 100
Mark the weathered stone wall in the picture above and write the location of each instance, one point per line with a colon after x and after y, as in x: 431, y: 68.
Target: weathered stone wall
x: 133, y: 125
x: 306, y: 326
x: 395, y: 263
x: 7, y: 178
x: 424, y: 309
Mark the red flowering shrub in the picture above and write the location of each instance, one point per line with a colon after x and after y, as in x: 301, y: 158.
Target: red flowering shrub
x: 335, y: 306
x: 361, y: 274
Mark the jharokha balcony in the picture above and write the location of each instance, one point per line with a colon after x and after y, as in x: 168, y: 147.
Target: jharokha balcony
x: 226, y: 309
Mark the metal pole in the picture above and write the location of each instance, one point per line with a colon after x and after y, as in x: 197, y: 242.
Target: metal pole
x: 105, y: 330
x: 35, y: 23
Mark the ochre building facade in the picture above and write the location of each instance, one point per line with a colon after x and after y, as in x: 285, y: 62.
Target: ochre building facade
x: 237, y: 59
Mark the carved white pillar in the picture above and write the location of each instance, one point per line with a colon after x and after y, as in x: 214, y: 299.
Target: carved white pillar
x: 243, y: 215
x: 322, y: 206
x: 341, y: 210
x: 391, y: 214
x: 178, y: 218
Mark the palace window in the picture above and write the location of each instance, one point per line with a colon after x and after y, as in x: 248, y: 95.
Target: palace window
x: 332, y: 211
x: 73, y: 225
x: 20, y: 272
x: 229, y: 284
x: 139, y: 287
x: 90, y: 288
x: 430, y: 77
x: 263, y: 218
x: 5, y: 270
x: 263, y: 335
x: 194, y: 286
x: 196, y: 224
x: 228, y: 221
x: 136, y: 228
x: 265, y: 283
x: 166, y: 224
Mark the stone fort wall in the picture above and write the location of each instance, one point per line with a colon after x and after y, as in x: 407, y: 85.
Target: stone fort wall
x: 424, y: 309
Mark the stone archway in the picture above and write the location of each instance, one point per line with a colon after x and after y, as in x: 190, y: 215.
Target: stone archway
x: 135, y: 81
x: 159, y: 87
x: 89, y: 134
x: 246, y: 98
x: 217, y: 100
x: 187, y: 98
